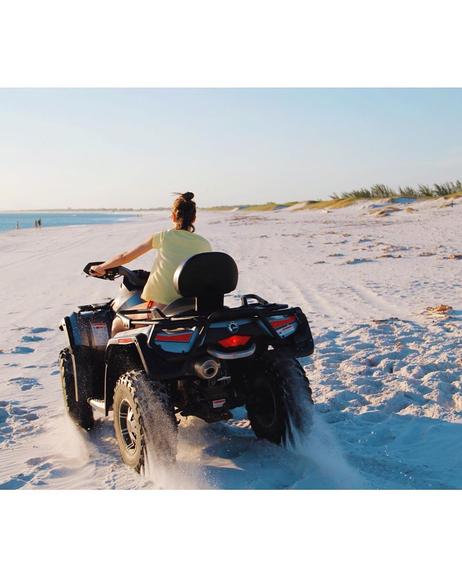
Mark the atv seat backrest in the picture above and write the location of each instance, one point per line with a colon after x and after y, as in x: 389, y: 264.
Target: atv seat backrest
x: 207, y: 277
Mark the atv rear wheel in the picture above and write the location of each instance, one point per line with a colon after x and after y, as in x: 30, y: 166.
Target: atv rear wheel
x: 78, y: 408
x: 280, y: 402
x: 144, y: 420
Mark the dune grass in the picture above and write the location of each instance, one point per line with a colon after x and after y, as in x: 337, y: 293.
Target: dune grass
x: 261, y: 207
x: 255, y: 207
x: 333, y: 203
x: 420, y: 192
x: 221, y: 208
x: 454, y: 195
x: 268, y: 206
x: 449, y: 190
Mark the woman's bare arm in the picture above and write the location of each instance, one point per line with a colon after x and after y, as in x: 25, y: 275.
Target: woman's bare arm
x: 123, y: 258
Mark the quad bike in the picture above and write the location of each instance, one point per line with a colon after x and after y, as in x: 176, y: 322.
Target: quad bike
x: 194, y: 357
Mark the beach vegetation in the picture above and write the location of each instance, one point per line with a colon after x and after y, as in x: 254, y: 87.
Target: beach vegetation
x: 333, y: 203
x: 421, y: 191
x: 447, y: 190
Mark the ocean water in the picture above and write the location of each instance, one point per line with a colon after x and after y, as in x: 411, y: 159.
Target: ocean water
x: 10, y: 220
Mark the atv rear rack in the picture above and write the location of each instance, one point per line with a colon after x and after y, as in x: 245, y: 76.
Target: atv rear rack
x: 245, y: 310
x: 260, y: 312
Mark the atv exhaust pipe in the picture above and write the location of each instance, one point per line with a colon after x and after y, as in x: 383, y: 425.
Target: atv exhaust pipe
x: 207, y: 368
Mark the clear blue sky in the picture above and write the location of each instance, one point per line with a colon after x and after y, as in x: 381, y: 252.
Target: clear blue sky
x: 88, y: 148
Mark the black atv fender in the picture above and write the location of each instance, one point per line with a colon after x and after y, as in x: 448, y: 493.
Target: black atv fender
x: 123, y: 353
x: 127, y: 352
x: 86, y: 362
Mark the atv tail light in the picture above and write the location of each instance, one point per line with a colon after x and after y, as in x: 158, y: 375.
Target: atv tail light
x: 234, y: 341
x: 182, y: 337
x: 283, y: 322
x: 125, y: 340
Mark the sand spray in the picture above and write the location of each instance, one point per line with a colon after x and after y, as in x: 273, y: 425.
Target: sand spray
x: 315, y: 441
x: 180, y: 472
x: 66, y: 439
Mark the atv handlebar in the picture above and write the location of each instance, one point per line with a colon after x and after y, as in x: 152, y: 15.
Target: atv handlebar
x: 111, y: 273
x: 136, y: 278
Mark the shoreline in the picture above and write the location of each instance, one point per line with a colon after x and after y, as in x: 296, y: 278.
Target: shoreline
x: 292, y: 206
x: 60, y: 227
x: 78, y: 210
x: 366, y: 207
x: 119, y: 218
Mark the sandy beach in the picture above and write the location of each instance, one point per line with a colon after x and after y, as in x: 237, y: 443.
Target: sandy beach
x: 386, y: 373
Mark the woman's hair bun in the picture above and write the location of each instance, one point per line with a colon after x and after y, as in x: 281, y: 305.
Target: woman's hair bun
x: 188, y: 195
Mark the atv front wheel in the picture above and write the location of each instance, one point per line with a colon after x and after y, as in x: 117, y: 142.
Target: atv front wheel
x: 144, y: 420
x: 77, y: 406
x: 280, y: 402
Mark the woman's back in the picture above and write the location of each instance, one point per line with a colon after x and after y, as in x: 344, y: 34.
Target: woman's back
x: 174, y: 246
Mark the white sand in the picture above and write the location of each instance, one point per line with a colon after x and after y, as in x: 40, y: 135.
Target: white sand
x: 388, y: 394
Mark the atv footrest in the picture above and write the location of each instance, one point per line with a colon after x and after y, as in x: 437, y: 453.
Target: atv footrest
x: 97, y: 404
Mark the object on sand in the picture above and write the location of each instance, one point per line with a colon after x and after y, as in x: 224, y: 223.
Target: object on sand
x: 383, y: 320
x: 440, y: 311
x: 384, y: 211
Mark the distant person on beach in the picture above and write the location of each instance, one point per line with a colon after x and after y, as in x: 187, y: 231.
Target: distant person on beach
x: 39, y: 222
x: 17, y: 225
x: 174, y: 246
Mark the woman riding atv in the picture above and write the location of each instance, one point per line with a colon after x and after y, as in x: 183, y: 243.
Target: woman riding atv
x: 174, y: 246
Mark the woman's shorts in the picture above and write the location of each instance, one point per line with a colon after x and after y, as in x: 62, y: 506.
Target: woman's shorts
x: 154, y: 304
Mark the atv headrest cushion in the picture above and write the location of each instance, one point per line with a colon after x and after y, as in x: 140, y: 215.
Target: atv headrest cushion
x: 206, y: 273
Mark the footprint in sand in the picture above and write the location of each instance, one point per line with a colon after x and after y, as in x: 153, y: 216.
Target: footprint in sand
x: 22, y: 350
x: 22, y: 413
x: 16, y: 421
x: 25, y: 383
x: 40, y: 330
x: 35, y: 461
x: 358, y: 261
x: 34, y: 330
x: 31, y: 338
x: 16, y: 482
x: 3, y: 414
x: 39, y: 472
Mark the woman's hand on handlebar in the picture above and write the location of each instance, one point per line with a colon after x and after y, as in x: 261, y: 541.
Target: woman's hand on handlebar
x: 101, y: 270
x: 97, y: 271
